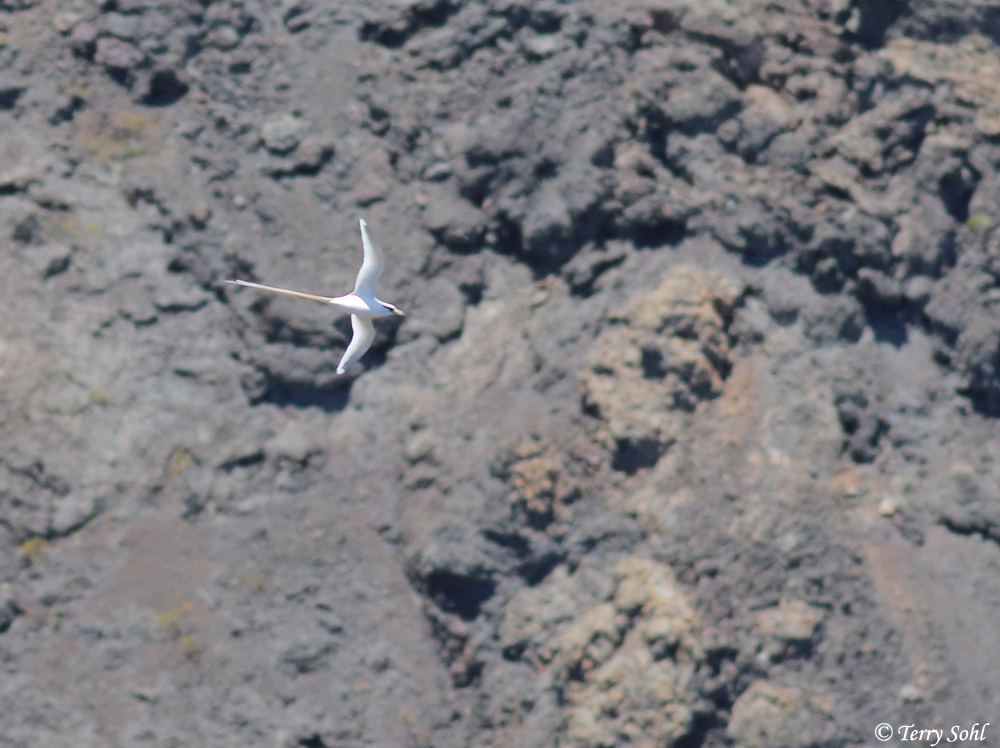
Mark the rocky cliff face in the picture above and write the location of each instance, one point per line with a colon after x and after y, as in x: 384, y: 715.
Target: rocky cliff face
x: 689, y: 438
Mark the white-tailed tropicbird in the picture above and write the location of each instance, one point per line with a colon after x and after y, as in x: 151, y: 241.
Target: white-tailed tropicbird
x: 361, y: 303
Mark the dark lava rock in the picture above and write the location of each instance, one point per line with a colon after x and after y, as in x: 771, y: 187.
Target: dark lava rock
x: 83, y: 40
x: 689, y: 437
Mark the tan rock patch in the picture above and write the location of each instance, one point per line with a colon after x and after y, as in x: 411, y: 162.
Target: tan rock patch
x: 663, y: 353
x: 791, y: 621
x: 769, y: 715
x: 625, y: 664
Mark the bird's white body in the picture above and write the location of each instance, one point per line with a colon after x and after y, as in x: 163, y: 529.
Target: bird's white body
x: 361, y: 303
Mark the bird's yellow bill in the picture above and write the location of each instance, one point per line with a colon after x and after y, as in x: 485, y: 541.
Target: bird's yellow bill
x: 399, y: 312
x: 262, y: 287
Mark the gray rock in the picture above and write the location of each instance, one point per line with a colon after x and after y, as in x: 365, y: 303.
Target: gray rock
x: 64, y: 108
x: 655, y: 217
x: 548, y: 227
x: 754, y: 229
x: 293, y: 442
x: 127, y: 28
x: 312, y: 155
x: 790, y: 150
x: 438, y: 171
x: 117, y: 54
x: 878, y: 289
x: 224, y: 37
x: 767, y: 116
x: 9, y: 95
x: 454, y: 222
x: 832, y: 319
x: 28, y: 230
x: 926, y: 240
x: 73, y: 511
x: 593, y: 260
x: 701, y: 101
x: 440, y: 310
x: 282, y: 135
x: 9, y: 610
x: 305, y: 657
x: 308, y: 160
x: 541, y: 47
x: 978, y: 352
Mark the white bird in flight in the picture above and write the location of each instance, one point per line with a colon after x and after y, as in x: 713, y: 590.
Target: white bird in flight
x: 361, y: 303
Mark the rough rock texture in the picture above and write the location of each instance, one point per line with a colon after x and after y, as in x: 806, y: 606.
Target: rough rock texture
x: 662, y: 354
x: 689, y: 438
x: 768, y: 714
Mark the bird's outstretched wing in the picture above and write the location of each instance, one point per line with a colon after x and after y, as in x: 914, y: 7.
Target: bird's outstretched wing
x: 248, y: 284
x: 364, y: 334
x: 371, y: 266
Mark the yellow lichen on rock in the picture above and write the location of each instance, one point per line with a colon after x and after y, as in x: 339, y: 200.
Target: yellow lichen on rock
x: 663, y: 353
x: 534, y: 479
x: 534, y: 472
x: 656, y: 508
x: 590, y: 641
x: 640, y: 694
x: 790, y: 621
x: 648, y: 591
x: 625, y: 664
x: 769, y: 715
x: 972, y: 65
x: 633, y: 701
x: 537, y: 616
